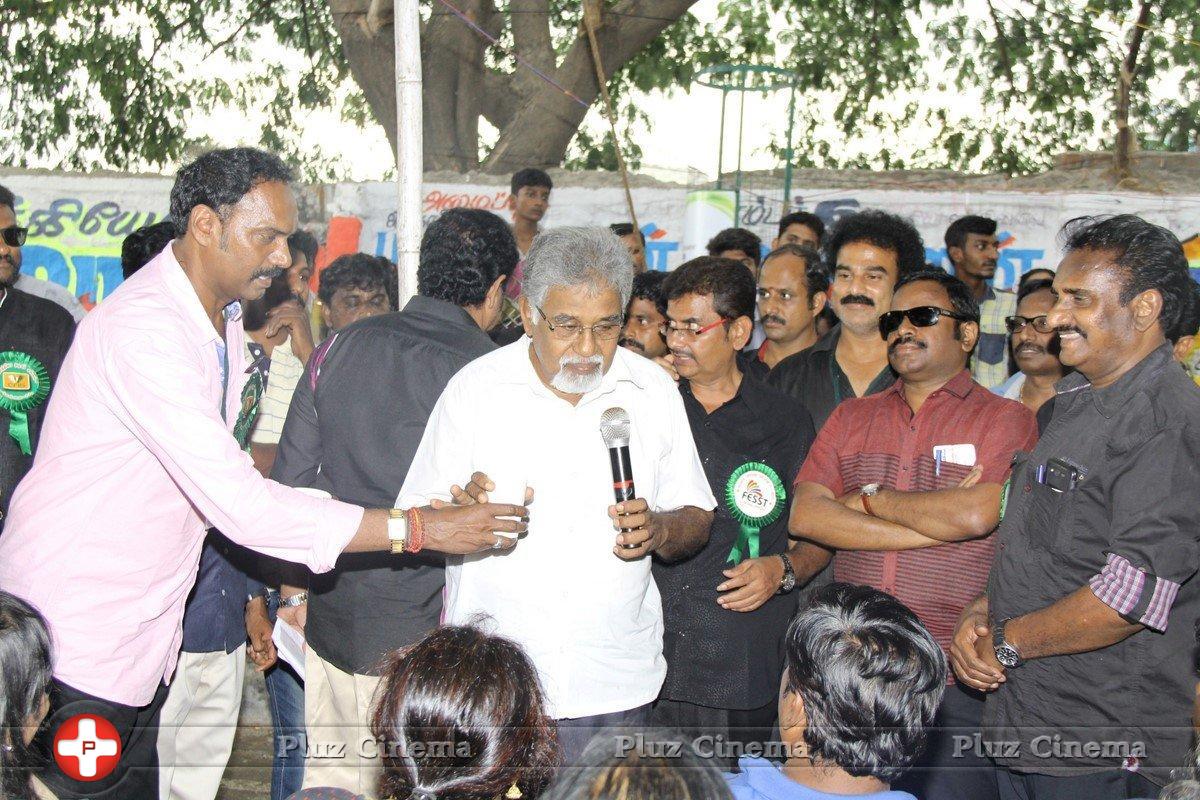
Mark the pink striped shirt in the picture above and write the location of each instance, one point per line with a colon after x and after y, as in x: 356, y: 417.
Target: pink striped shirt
x: 104, y: 533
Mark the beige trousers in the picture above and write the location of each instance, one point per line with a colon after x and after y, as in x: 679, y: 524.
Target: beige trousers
x: 337, y: 714
x: 197, y: 724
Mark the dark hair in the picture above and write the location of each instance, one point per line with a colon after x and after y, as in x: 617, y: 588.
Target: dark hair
x: 1029, y: 276
x: 26, y: 668
x: 816, y: 277
x: 870, y: 676
x: 805, y: 218
x: 220, y: 178
x: 635, y: 763
x: 962, y: 299
x: 254, y: 312
x: 956, y: 234
x: 7, y: 198
x: 880, y: 229
x: 648, y: 285
x: 1189, y: 316
x: 463, y: 252
x: 460, y: 715
x: 627, y: 229
x: 144, y: 244
x: 1149, y: 255
x: 391, y: 281
x: 1031, y: 287
x: 728, y: 282
x: 736, y: 239
x: 301, y: 242
x: 530, y: 176
x: 353, y: 271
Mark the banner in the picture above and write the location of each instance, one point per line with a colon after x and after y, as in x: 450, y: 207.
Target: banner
x: 76, y: 223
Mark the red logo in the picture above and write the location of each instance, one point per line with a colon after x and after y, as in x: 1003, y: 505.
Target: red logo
x: 87, y: 747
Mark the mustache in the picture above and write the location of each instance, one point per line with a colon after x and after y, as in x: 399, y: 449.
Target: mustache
x: 597, y: 359
x: 1029, y: 347
x: 1069, y: 329
x: 270, y: 272
x: 632, y: 344
x: 857, y: 298
x: 907, y: 339
x: 778, y: 320
x: 675, y: 351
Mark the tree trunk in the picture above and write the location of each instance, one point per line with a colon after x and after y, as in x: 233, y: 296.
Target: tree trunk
x: 1125, y: 77
x: 536, y: 120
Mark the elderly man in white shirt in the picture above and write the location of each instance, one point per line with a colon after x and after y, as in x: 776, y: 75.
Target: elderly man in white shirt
x: 576, y: 592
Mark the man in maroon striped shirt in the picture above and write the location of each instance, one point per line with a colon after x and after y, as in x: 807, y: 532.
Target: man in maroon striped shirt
x: 935, y: 428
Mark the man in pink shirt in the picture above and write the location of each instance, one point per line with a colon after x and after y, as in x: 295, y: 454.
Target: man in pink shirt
x: 140, y: 454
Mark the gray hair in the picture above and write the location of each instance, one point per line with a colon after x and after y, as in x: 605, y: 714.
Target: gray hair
x: 594, y: 257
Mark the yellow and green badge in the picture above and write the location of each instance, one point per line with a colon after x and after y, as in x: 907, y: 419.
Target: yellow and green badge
x: 24, y: 385
x: 755, y: 497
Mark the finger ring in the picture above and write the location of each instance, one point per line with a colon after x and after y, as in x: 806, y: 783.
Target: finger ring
x: 496, y: 545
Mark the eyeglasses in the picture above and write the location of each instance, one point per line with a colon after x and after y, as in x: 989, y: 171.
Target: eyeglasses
x: 14, y: 235
x: 921, y: 316
x: 1017, y: 324
x: 569, y: 331
x: 689, y: 332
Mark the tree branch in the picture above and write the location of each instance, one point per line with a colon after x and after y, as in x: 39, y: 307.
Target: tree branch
x: 530, y: 21
x: 1002, y: 45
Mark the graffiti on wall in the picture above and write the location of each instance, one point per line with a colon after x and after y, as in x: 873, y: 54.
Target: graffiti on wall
x: 77, y: 243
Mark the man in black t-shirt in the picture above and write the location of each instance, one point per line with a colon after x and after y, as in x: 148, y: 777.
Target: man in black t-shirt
x: 34, y: 337
x: 725, y: 609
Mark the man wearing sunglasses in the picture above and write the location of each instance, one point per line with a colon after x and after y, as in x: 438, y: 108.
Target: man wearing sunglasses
x: 35, y: 334
x: 736, y: 595
x: 1034, y: 347
x: 935, y: 428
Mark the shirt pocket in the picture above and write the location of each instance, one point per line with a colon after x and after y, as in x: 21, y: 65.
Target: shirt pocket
x: 1050, y: 521
x: 991, y: 348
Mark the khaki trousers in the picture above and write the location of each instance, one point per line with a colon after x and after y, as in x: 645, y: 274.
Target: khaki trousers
x: 342, y: 753
x: 198, y: 722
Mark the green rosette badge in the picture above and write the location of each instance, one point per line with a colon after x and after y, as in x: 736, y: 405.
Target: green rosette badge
x: 24, y: 385
x: 755, y: 498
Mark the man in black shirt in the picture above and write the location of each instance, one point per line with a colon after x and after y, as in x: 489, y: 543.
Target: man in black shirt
x: 34, y: 336
x: 353, y: 427
x: 726, y: 609
x: 1085, y: 636
x: 868, y: 253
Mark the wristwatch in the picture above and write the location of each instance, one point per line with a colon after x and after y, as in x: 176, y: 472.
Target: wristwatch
x: 1006, y: 653
x: 788, y: 581
x: 397, y: 529
x: 870, y: 490
x: 298, y: 599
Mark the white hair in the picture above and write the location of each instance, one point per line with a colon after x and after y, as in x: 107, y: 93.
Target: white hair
x: 593, y: 257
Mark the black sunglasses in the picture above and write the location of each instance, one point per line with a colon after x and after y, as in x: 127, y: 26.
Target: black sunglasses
x: 921, y: 316
x: 14, y: 235
x: 1016, y: 324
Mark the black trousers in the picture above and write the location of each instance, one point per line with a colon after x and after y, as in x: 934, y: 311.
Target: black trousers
x: 952, y: 768
x: 574, y: 735
x: 136, y: 775
x: 1114, y: 784
x: 722, y: 734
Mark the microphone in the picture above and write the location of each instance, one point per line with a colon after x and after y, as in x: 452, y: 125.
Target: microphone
x: 614, y: 429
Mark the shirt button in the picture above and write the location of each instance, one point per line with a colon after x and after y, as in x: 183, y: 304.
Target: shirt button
x: 222, y: 593
x: 912, y: 427
x: 1028, y: 488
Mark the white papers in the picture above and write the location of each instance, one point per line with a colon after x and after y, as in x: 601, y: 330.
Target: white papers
x: 289, y: 643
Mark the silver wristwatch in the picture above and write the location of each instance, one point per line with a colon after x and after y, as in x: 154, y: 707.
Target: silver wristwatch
x: 298, y: 599
x: 1006, y: 653
x: 788, y: 581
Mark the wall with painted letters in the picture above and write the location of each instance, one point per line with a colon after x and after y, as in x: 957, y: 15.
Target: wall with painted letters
x: 76, y: 223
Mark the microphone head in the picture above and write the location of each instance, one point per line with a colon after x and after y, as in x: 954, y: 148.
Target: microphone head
x: 614, y: 427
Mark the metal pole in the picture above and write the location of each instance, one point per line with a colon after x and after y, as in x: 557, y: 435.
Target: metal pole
x: 721, y: 141
x: 787, y: 168
x: 409, y: 155
x: 737, y: 200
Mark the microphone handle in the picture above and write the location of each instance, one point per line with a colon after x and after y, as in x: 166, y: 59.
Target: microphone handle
x: 622, y: 471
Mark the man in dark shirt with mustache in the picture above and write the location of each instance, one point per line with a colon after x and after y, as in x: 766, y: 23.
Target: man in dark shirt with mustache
x: 867, y: 253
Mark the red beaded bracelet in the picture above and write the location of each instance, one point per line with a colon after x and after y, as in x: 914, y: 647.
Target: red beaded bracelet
x: 416, y: 531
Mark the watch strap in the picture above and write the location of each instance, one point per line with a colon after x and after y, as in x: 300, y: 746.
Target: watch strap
x: 397, y: 530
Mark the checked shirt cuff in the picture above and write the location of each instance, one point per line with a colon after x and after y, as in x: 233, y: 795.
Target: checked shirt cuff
x: 1139, y: 597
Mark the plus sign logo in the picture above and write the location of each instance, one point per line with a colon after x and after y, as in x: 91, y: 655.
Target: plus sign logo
x: 87, y: 747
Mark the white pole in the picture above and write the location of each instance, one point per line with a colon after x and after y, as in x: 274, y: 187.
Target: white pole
x: 409, y: 164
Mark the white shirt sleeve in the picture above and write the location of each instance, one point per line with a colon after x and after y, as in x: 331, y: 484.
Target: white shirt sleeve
x: 680, y: 480
x: 444, y: 456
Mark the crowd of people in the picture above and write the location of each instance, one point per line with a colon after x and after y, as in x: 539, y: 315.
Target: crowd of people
x: 797, y: 522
